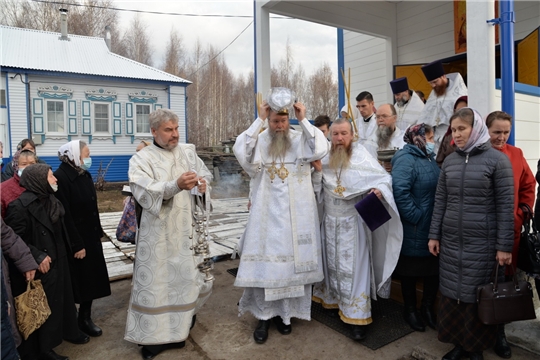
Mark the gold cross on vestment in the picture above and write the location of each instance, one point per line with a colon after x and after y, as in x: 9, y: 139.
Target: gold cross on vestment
x: 339, y: 189
x: 282, y: 173
x: 272, y: 171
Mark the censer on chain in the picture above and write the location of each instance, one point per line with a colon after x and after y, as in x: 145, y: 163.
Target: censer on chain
x: 200, y: 235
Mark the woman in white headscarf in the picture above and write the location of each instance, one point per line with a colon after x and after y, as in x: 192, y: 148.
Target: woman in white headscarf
x: 472, y: 229
x: 77, y: 193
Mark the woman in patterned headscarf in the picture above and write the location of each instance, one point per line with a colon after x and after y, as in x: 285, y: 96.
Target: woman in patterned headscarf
x: 78, y: 195
x: 472, y: 229
x: 38, y: 218
x: 414, y: 181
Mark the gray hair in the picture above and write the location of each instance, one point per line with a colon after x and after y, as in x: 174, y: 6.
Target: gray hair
x: 159, y: 116
x: 342, y: 121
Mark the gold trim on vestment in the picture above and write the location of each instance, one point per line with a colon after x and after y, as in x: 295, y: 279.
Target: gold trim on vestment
x: 343, y: 318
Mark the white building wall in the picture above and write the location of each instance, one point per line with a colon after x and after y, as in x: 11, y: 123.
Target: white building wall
x: 4, y: 131
x: 425, y: 29
x: 17, y: 112
x: 101, y: 144
x: 365, y: 55
x: 178, y: 105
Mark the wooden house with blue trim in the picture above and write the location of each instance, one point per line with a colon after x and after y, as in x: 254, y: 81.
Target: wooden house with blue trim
x: 56, y: 88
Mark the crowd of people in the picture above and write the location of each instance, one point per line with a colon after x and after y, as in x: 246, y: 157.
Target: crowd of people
x: 51, y: 232
x: 427, y: 194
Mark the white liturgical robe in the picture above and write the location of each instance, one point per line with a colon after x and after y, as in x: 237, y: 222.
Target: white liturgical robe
x: 358, y: 263
x: 409, y: 113
x: 280, y: 248
x: 167, y: 288
x: 439, y: 109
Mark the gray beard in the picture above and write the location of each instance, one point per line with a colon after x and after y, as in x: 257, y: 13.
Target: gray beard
x: 279, y: 145
x: 384, y: 134
x: 339, y: 157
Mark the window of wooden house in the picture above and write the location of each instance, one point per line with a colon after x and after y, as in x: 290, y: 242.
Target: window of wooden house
x: 101, y: 118
x: 143, y: 111
x: 55, y: 117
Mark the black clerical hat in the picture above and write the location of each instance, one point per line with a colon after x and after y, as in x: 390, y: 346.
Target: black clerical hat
x: 433, y: 70
x: 399, y: 85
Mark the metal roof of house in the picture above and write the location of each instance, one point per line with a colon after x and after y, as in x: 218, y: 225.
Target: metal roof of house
x: 43, y: 50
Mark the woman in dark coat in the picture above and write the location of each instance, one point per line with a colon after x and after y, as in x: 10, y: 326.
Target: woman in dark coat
x: 471, y: 230
x: 38, y: 218
x: 414, y: 179
x: 77, y: 193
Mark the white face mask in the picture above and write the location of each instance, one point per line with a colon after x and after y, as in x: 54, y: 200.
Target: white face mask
x: 54, y: 187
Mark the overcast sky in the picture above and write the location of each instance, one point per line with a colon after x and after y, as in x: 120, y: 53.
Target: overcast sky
x: 312, y: 44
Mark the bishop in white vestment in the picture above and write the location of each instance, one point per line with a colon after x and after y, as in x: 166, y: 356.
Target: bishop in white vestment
x: 440, y: 103
x: 167, y: 288
x: 358, y: 263
x: 280, y: 248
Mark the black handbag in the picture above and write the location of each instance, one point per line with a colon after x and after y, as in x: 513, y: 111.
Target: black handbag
x: 501, y: 303
x: 529, y: 246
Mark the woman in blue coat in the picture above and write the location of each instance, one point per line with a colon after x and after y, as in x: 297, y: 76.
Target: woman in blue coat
x: 414, y: 180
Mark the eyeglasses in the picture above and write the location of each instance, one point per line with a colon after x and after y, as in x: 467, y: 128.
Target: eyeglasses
x: 383, y: 117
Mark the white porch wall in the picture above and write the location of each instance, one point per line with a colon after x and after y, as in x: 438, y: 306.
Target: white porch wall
x: 365, y: 55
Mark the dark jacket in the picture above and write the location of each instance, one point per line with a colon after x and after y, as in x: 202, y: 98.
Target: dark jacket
x: 473, y: 218
x: 29, y: 219
x: 414, y: 181
x: 19, y: 255
x: 78, y: 195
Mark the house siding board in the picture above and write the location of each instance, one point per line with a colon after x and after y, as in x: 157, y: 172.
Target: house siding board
x: 178, y: 106
x: 365, y: 55
x: 102, y: 145
x: 17, y: 113
x: 118, y: 170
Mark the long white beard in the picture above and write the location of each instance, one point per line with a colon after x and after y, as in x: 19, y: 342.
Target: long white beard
x: 340, y: 157
x: 279, y: 145
x: 384, y: 134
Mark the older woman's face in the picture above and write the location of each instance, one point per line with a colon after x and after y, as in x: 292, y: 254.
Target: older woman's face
x: 430, y: 137
x: 461, y: 131
x: 85, y: 152
x: 50, y: 177
x: 499, y: 131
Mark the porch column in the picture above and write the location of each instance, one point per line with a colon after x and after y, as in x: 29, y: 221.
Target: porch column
x: 481, y: 56
x: 262, y: 49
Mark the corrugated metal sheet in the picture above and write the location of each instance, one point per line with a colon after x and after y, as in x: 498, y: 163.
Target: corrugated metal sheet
x: 42, y: 50
x: 118, y: 171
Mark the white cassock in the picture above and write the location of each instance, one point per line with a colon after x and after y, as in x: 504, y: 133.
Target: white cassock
x: 280, y: 248
x: 366, y: 130
x: 358, y: 263
x: 409, y: 113
x: 396, y: 142
x: 167, y: 288
x: 439, y: 109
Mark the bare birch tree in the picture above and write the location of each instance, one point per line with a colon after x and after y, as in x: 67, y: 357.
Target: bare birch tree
x: 136, y: 42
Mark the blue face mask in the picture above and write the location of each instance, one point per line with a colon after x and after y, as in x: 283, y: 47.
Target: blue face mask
x: 19, y: 172
x: 430, y: 147
x: 87, y: 163
x: 1, y: 162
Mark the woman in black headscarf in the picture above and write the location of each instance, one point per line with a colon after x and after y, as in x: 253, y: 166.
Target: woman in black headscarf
x: 78, y: 195
x: 37, y: 217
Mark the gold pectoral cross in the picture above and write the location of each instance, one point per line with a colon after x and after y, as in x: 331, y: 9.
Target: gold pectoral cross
x: 282, y: 173
x: 272, y: 171
x: 339, y: 189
